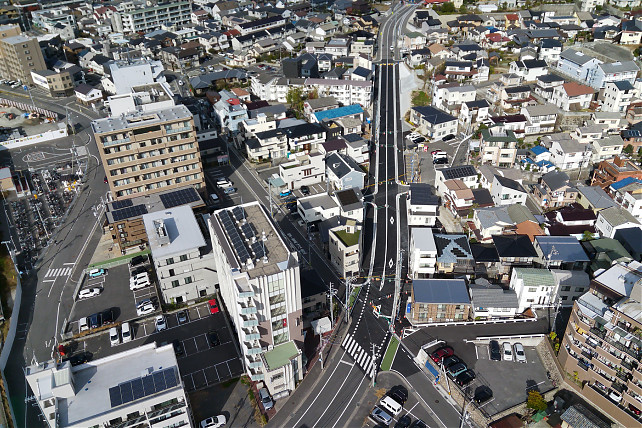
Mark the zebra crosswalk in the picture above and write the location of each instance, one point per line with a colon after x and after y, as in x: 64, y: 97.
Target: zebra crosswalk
x: 54, y: 273
x: 361, y: 357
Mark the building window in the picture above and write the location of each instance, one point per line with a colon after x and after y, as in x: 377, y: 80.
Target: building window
x: 184, y: 257
x: 532, y: 290
x: 175, y: 283
x: 169, y: 261
x: 565, y: 288
x: 188, y: 280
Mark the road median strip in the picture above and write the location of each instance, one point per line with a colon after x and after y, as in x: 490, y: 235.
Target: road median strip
x: 389, y: 356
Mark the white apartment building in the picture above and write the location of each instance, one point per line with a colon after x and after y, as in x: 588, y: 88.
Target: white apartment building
x: 146, y: 18
x: 261, y: 289
x: 423, y: 205
x: 505, y: 191
x: 607, y: 147
x: 58, y: 20
x: 183, y: 260
x: 567, y: 153
x: 141, y: 386
x: 535, y: 288
x: 128, y: 74
x: 343, y: 246
x: 498, y: 146
x: 451, y: 95
x: 423, y: 252
x: 617, y: 96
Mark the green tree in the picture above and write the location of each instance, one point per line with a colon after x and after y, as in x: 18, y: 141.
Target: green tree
x: 295, y: 97
x: 587, y: 236
x: 463, y: 8
x: 536, y: 401
x: 448, y: 7
x: 628, y: 150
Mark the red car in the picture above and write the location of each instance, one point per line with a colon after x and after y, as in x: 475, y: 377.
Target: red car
x: 443, y: 352
x: 634, y: 409
x: 213, y: 306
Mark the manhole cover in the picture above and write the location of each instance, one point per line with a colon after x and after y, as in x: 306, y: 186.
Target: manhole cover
x: 436, y: 401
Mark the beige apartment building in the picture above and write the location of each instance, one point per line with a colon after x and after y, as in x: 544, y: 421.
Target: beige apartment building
x: 149, y: 151
x: 58, y: 84
x: 344, y: 248
x: 19, y: 55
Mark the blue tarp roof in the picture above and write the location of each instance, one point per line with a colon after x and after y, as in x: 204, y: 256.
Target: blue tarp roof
x: 338, y: 112
x: 538, y: 150
x: 625, y: 182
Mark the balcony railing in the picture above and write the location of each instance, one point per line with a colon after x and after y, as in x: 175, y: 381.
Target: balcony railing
x: 599, y: 333
x: 620, y: 346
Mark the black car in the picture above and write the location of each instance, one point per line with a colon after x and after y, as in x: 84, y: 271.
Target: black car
x: 418, y: 424
x: 448, y: 137
x: 440, y: 160
x: 138, y: 260
x: 212, y: 337
x: 482, y: 394
x: 108, y: 316
x: 178, y: 348
x: 451, y: 361
x: 399, y: 394
x: 95, y: 320
x: 139, y: 270
x: 182, y: 317
x: 403, y: 422
x: 80, y: 358
x: 495, y: 353
x: 305, y: 190
x: 465, y: 378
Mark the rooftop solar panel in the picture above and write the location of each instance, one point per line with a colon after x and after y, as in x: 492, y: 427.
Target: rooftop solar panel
x: 239, y: 213
x: 129, y: 212
x: 116, y: 205
x: 142, y: 387
x: 179, y: 197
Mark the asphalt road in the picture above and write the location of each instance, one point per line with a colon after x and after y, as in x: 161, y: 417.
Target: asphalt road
x: 47, y: 300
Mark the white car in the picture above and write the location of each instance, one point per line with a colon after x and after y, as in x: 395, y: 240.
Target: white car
x: 145, y: 309
x: 160, y: 323
x: 126, y: 332
x: 520, y: 356
x: 142, y: 275
x: 223, y: 183
x: 180, y: 82
x: 214, y: 422
x: 87, y: 293
x: 136, y: 285
x: 507, y: 351
x: 114, y: 337
x: 83, y: 325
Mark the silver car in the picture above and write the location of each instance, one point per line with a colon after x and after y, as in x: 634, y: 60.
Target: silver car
x: 520, y: 356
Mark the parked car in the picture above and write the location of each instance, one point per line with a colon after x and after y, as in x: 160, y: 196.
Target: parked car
x: 465, y: 378
x: 285, y: 193
x: 483, y: 394
x: 178, y: 347
x: 451, y: 361
x: 495, y: 353
x: 229, y: 190
x: 87, y: 293
x: 615, y: 396
x: 380, y: 416
x: 145, y: 309
x: 399, y: 393
x: 635, y: 409
x: 448, y: 137
x: 137, y: 284
x: 160, y: 323
x: 456, y: 369
x: 443, y: 352
x: 80, y: 358
x: 214, y: 422
x: 403, y: 422
x: 520, y: 356
x: 390, y: 405
x: 126, y: 332
x: 95, y: 273
x: 95, y: 320
x: 83, y: 324
x: 137, y: 260
x: 212, y: 337
x: 305, y: 190
x: 182, y: 317
x: 418, y: 424
x: 440, y: 160
x: 213, y: 306
x: 108, y: 316
x: 266, y: 400
x: 224, y: 182
x: 507, y: 351
x: 114, y: 337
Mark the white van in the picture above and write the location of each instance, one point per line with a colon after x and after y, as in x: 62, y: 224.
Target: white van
x: 83, y: 325
x: 114, y: 337
x: 126, y: 332
x: 390, y: 405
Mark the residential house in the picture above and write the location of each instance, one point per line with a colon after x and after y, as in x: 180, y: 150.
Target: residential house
x: 438, y: 300
x: 560, y: 252
x: 541, y: 118
x: 535, y: 288
x: 513, y: 250
x: 491, y: 221
x: 457, y: 197
x: 508, y: 192
x: 311, y: 106
x: 302, y: 169
x: 607, y: 147
x: 318, y: 207
x: 450, y: 96
x: 608, y: 172
x: 577, y: 64
x: 491, y: 301
x: 570, y: 285
x: 628, y: 194
x: 568, y: 153
x: 609, y: 220
x: 554, y: 190
x: 454, y: 254
x: 617, y: 96
x: 460, y: 70
x: 88, y: 95
x: 545, y: 85
x: 549, y: 50
x: 422, y: 204
x: 433, y: 122
x: 267, y: 145
x: 594, y: 198
x: 529, y: 69
x: 572, y: 96
x: 498, y: 146
x: 423, y: 253
x: 613, y: 72
x: 631, y: 240
x: 343, y: 172
x: 571, y: 220
x: 473, y: 112
x: 344, y: 244
x: 466, y: 173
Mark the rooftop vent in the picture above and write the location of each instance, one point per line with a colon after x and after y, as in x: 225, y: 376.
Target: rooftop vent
x: 161, y: 232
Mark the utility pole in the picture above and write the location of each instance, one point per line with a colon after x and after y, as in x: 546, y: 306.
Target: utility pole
x: 374, y: 364
x: 332, y: 291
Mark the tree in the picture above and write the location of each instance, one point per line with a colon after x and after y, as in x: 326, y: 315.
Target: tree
x: 628, y: 150
x: 536, y: 401
x: 295, y: 98
x: 587, y: 236
x: 448, y: 7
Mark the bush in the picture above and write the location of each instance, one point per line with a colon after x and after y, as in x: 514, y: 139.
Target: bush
x: 536, y: 401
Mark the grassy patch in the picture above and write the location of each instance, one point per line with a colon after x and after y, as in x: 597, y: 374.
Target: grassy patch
x: 353, y: 296
x: 386, y: 363
x: 348, y: 239
x: 127, y: 257
x: 420, y: 98
x: 229, y: 383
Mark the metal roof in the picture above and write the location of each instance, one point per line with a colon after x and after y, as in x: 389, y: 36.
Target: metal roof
x: 440, y: 291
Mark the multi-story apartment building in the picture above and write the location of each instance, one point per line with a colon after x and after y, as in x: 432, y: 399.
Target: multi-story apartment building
x: 125, y: 218
x: 343, y: 246
x: 149, y: 151
x: 608, y: 172
x: 58, y: 84
x: 183, y: 259
x: 260, y: 286
x: 60, y: 20
x: 144, y: 18
x: 601, y: 348
x: 19, y: 56
x: 498, y: 147
x: 138, y: 387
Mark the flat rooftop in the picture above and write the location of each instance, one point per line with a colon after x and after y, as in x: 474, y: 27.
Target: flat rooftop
x: 173, y: 232
x: 133, y: 208
x: 250, y: 241
x: 141, y: 119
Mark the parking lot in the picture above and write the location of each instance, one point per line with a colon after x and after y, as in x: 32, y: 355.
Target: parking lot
x: 115, y: 294
x: 200, y: 363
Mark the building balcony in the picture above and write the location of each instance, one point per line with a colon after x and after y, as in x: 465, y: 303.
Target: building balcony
x: 610, y: 370
x: 249, y: 320
x: 603, y: 352
x: 247, y: 309
x: 244, y: 292
x: 249, y: 335
x: 635, y: 386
